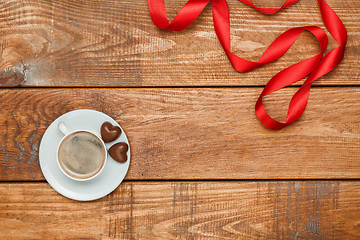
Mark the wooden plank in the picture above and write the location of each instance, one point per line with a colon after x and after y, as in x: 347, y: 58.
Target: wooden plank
x: 200, y: 133
x: 115, y: 43
x: 185, y: 210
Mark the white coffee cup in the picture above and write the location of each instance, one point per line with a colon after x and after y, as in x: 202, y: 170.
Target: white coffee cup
x: 81, y: 154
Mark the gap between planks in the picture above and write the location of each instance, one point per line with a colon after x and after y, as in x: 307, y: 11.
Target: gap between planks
x: 203, y: 180
x: 170, y: 87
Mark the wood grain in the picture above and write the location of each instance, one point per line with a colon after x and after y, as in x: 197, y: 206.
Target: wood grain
x: 115, y: 43
x: 199, y: 133
x: 183, y: 210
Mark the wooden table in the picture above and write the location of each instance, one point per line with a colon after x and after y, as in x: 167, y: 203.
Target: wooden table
x: 203, y: 166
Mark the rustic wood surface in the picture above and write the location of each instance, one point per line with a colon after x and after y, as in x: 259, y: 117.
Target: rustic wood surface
x: 196, y: 133
x: 186, y: 210
x: 203, y: 166
x: 115, y: 43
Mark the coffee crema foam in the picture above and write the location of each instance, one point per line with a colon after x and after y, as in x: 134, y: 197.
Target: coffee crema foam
x: 81, y: 155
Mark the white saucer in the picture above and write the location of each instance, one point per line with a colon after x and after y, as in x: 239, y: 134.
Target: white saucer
x: 103, y: 184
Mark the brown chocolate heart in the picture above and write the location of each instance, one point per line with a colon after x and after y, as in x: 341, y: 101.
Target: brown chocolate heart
x: 109, y: 132
x: 118, y: 152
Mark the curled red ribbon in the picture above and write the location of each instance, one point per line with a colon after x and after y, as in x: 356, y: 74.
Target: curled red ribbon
x: 316, y: 66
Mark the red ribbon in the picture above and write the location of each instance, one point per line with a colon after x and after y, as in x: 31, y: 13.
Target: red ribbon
x: 316, y: 66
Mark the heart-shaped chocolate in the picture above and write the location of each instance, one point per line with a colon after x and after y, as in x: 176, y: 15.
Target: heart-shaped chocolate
x: 118, y: 152
x: 109, y: 132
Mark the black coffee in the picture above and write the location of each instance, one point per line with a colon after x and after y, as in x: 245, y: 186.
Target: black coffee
x: 81, y: 155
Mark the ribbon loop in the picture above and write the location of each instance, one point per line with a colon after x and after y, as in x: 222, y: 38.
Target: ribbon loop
x: 316, y: 66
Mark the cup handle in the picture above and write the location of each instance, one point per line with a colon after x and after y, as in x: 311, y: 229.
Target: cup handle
x: 63, y: 128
